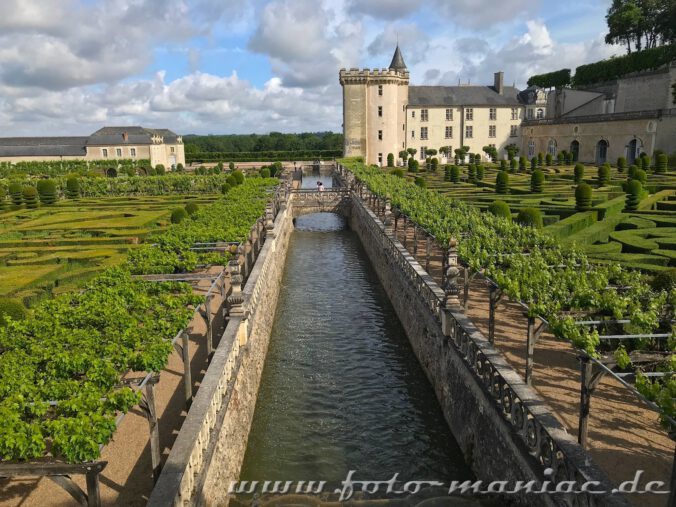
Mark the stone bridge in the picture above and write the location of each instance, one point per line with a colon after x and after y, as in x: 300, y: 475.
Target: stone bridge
x: 333, y: 200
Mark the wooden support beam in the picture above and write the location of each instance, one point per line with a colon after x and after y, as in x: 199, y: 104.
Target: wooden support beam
x: 533, y: 336
x: 428, y: 252
x: 494, y: 297
x: 466, y: 282
x: 588, y: 382
x: 67, y: 484
x: 209, y: 323
x: 184, y: 350
x: 150, y: 411
x: 415, y: 239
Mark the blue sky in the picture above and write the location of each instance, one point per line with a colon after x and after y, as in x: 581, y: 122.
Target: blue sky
x: 214, y: 66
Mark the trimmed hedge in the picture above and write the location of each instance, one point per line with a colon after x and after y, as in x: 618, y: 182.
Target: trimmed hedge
x: 634, y: 189
x: 616, y: 67
x: 661, y: 163
x: 604, y: 175
x: 11, y: 309
x: 16, y: 193
x: 530, y: 217
x: 191, y: 208
x: 500, y: 209
x: 398, y: 172
x: 556, y: 79
x: 583, y: 197
x: 574, y: 223
x: 30, y: 197
x: 502, y: 183
x: 3, y: 196
x: 579, y: 172
x: 621, y: 164
x: 47, y: 191
x: 178, y: 215
x: 537, y: 181
x: 420, y: 182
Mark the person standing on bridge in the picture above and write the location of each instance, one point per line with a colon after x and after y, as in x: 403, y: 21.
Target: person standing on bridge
x: 321, y: 186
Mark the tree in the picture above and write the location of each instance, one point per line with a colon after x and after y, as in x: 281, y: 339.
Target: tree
x: 645, y: 23
x: 502, y: 183
x: 537, y: 181
x: 579, y: 172
x: 411, y: 151
x: 434, y: 164
x: 403, y: 155
x: 634, y: 189
x: 604, y: 174
x: 500, y: 209
x: 454, y: 174
x: 583, y: 197
x: 624, y: 19
x: 390, y: 160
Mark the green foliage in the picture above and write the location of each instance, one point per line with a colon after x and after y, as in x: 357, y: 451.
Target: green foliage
x: 420, y: 182
x: 578, y: 172
x: 522, y: 163
x: 47, y: 191
x: 73, y: 187
x: 403, y: 155
x: 503, y: 165
x: 556, y: 79
x: 239, y: 176
x: 264, y: 172
x: 570, y: 157
x: 16, y: 193
x: 513, y: 162
x: 276, y: 169
x: 471, y: 173
x: 645, y: 162
x: 455, y: 174
x: 390, y: 160
x: 537, y: 180
x: 434, y: 164
x: 604, y: 175
x: 583, y: 197
x: 480, y: 170
x: 502, y: 183
x: 664, y: 280
x: 632, y: 171
x: 530, y: 217
x: 548, y: 159
x: 616, y: 67
x: 533, y: 163
x: 231, y: 180
x: 413, y: 165
x: 180, y: 168
x: 3, y: 198
x: 540, y: 159
x: 634, y: 189
x: 62, y: 168
x: 225, y: 188
x: 661, y: 163
x: 11, y: 309
x: 397, y: 172
x: 30, y: 197
x: 640, y: 175
x: 231, y: 166
x: 500, y: 209
x: 512, y: 150
x: 191, y: 208
x: 178, y: 215
x: 621, y: 164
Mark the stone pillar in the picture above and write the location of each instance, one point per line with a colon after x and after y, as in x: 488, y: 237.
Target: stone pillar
x: 387, y: 218
x: 452, y: 273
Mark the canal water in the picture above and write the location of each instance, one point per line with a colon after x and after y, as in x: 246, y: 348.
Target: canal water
x: 341, y: 388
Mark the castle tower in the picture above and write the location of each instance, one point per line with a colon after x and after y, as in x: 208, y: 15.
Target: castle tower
x: 374, y: 116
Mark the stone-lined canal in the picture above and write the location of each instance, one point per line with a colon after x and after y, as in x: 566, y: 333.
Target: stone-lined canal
x: 341, y: 389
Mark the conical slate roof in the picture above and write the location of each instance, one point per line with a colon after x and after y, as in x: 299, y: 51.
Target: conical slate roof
x: 397, y: 60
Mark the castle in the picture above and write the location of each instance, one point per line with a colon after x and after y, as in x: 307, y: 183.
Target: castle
x: 383, y: 114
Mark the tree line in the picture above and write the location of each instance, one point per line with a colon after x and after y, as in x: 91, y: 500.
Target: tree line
x: 645, y: 24
x: 272, y: 142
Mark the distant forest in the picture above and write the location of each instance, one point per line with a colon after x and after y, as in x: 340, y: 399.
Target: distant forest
x: 274, y: 141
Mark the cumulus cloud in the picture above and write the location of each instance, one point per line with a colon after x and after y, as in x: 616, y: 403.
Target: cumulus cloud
x: 303, y: 49
x: 409, y: 36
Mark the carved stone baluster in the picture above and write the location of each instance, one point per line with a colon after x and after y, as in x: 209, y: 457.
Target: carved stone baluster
x: 452, y: 272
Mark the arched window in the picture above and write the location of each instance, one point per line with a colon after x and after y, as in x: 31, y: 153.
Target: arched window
x: 551, y: 147
x: 531, y: 148
x: 540, y: 113
x: 575, y: 149
x: 601, y: 151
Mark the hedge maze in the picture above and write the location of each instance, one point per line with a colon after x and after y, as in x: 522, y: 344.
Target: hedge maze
x: 627, y: 220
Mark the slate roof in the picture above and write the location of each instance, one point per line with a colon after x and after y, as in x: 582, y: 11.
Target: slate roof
x: 136, y: 135
x: 42, y: 146
x: 462, y: 96
x: 397, y: 60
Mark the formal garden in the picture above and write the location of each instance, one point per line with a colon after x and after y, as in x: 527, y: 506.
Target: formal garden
x: 613, y: 213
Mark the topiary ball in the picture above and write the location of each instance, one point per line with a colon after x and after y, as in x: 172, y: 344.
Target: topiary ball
x: 16, y: 193
x: 455, y: 174
x: 603, y: 175
x: 661, y: 163
x: 225, y: 188
x: 500, y: 209
x: 191, y: 208
x: 178, y: 215
x: 11, y: 309
x: 265, y: 172
x: 72, y: 188
x: 634, y: 189
x: 578, y: 173
x: 239, y: 176
x: 47, y: 191
x: 420, y: 182
x: 530, y: 217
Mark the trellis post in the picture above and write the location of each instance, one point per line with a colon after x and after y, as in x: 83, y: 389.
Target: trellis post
x: 493, y: 298
x: 415, y: 239
x: 209, y: 323
x: 187, y: 374
x: 405, y: 230
x: 148, y: 407
x: 533, y: 335
x: 452, y: 272
x: 428, y: 251
x: 585, y: 400
x: 465, y: 295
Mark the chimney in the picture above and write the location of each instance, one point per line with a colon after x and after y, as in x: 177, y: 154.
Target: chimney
x: 499, y: 82
x: 125, y: 136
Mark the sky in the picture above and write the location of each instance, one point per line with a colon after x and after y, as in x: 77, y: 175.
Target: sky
x: 69, y: 67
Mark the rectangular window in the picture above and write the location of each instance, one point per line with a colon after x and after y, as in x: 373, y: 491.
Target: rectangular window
x: 380, y: 111
x: 530, y: 113
x: 172, y: 149
x: 424, y: 114
x: 412, y: 134
x: 514, y: 131
x: 469, y: 114
x: 380, y: 90
x: 469, y: 132
x: 423, y: 152
x: 449, y: 132
x: 492, y: 113
x: 380, y: 135
x: 132, y: 152
x: 118, y: 152
x: 403, y: 127
x: 380, y: 159
x: 423, y: 132
x: 104, y: 152
x: 413, y: 113
x: 515, y: 113
x: 449, y: 114
x: 491, y: 131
